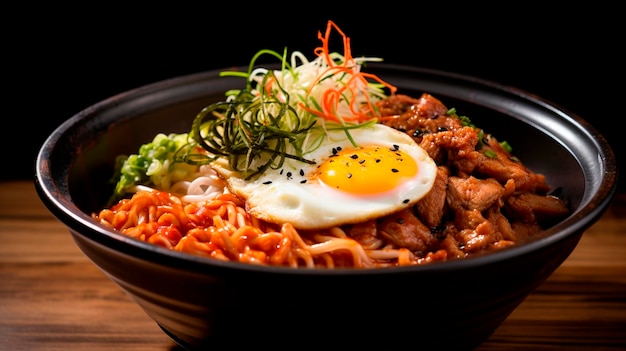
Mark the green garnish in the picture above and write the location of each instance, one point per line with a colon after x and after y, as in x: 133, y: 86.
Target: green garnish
x: 157, y: 163
x: 505, y: 145
x: 466, y: 122
x: 250, y: 128
x: 491, y: 154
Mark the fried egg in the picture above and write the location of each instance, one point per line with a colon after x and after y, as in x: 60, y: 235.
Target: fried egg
x: 385, y: 173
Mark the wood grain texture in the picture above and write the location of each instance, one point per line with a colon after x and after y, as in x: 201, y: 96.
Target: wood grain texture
x: 53, y: 298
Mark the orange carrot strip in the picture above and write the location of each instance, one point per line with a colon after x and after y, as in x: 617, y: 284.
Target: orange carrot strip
x: 332, y: 97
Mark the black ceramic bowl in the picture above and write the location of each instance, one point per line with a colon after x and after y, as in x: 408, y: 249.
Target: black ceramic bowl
x: 202, y: 303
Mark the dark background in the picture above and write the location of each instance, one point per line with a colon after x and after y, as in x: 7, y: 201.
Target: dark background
x: 61, y: 61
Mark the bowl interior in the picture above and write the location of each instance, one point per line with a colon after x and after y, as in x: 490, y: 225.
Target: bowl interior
x: 76, y: 162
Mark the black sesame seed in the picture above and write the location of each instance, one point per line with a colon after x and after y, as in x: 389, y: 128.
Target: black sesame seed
x: 395, y: 147
x: 377, y: 160
x: 288, y: 174
x: 418, y: 133
x: 303, y: 181
x: 394, y: 170
x: 406, y: 201
x: 442, y: 129
x: 268, y: 182
x: 435, y: 116
x: 301, y: 172
x: 354, y: 157
x: 361, y: 161
x: 349, y: 175
x: 437, y: 229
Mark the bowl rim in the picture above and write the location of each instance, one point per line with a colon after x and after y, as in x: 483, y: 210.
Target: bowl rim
x: 52, y: 187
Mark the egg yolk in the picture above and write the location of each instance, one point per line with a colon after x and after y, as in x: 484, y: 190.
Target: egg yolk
x: 367, y: 170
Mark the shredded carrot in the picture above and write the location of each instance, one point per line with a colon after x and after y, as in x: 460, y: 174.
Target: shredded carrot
x: 360, y: 104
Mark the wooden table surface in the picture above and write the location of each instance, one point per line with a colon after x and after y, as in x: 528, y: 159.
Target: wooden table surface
x: 53, y: 298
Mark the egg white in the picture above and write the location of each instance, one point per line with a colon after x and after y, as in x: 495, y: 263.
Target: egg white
x: 291, y: 194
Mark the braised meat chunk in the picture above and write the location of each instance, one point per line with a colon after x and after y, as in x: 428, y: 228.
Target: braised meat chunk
x: 483, y: 198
